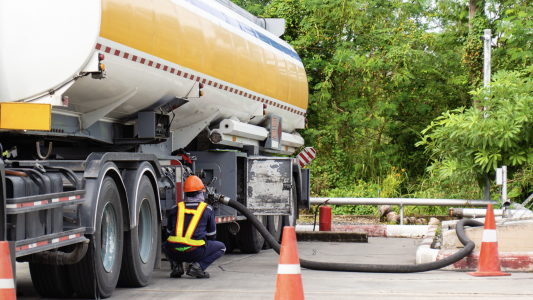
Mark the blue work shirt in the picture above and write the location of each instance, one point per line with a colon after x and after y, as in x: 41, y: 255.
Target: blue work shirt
x: 206, y: 229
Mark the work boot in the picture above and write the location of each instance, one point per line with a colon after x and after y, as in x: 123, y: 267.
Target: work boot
x: 177, y: 271
x: 195, y: 270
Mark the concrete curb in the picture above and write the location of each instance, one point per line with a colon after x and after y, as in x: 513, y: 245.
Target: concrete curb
x: 332, y: 236
x: 405, y: 231
x: 424, y: 253
x: 509, y: 261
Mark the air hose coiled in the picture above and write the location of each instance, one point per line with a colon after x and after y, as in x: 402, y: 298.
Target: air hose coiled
x: 349, y: 267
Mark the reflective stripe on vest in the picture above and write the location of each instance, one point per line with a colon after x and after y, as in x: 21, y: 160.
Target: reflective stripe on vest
x: 187, y: 239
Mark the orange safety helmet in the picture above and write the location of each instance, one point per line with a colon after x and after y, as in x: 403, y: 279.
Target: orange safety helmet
x: 193, y: 184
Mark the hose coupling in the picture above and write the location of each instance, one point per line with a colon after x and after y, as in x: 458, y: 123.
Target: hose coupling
x: 224, y: 200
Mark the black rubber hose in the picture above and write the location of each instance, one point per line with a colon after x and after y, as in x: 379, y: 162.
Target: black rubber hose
x: 347, y: 267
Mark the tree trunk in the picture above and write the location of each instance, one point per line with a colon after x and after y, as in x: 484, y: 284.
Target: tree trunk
x: 472, y: 8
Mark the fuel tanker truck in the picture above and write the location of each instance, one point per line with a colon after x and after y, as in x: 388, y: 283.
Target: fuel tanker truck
x: 107, y: 106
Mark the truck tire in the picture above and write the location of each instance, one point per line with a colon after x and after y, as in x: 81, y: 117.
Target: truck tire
x: 96, y: 275
x: 140, y: 243
x: 51, y: 281
x: 249, y: 239
x: 224, y: 236
x: 275, y: 226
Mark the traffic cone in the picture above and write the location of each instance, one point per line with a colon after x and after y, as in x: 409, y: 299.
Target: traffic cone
x: 289, y: 284
x: 489, y: 258
x: 7, y: 285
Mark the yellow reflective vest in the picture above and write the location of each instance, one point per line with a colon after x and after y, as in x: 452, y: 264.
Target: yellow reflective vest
x: 187, y: 238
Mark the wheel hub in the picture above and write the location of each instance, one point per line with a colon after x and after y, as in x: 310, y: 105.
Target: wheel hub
x: 109, y: 237
x: 144, y: 231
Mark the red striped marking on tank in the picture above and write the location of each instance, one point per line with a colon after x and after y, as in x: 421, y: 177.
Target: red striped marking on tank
x: 47, y: 242
x: 198, y: 79
x: 225, y: 219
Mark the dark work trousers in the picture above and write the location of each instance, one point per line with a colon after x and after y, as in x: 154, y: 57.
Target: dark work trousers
x: 205, y: 255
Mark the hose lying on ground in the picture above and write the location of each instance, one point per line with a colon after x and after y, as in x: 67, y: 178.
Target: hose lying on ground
x: 348, y: 267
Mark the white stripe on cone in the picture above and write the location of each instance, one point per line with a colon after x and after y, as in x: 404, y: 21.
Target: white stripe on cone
x: 489, y: 236
x: 289, y: 269
x: 7, y: 284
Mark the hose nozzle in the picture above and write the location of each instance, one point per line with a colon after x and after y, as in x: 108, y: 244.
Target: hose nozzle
x: 222, y: 199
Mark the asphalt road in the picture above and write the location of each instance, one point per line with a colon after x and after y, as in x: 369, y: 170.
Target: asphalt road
x: 243, y: 276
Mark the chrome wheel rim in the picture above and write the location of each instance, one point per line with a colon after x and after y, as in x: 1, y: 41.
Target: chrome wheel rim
x: 144, y: 231
x: 108, y: 236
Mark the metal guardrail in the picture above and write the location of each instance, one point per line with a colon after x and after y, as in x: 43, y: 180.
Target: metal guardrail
x: 401, y: 202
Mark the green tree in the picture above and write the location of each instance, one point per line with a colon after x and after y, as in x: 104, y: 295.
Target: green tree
x: 376, y: 79
x: 466, y: 142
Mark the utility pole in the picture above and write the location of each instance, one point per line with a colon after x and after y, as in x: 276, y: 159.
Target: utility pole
x: 487, y: 42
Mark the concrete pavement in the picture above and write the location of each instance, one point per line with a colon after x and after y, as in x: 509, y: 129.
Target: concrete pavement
x: 244, y: 276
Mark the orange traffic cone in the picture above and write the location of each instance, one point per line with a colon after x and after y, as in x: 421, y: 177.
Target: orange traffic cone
x: 289, y: 284
x: 489, y: 258
x: 7, y: 285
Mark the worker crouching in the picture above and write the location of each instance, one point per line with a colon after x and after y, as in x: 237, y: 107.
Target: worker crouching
x: 192, y: 230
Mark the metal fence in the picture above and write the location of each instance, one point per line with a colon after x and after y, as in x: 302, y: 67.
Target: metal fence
x: 402, y: 201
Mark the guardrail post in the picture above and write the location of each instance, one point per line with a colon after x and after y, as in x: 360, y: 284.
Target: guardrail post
x: 401, y: 214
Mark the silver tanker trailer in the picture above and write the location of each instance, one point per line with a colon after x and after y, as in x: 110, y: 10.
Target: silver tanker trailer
x: 107, y: 106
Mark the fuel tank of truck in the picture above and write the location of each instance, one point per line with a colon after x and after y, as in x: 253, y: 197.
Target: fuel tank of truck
x: 155, y: 51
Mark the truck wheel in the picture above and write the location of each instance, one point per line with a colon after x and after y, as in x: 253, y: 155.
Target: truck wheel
x: 97, y: 273
x: 51, y: 281
x: 141, y: 242
x: 275, y: 226
x: 249, y: 239
x: 224, y: 236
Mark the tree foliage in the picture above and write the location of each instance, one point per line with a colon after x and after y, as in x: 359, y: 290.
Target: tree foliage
x: 376, y: 79
x: 469, y: 141
x: 384, y: 75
